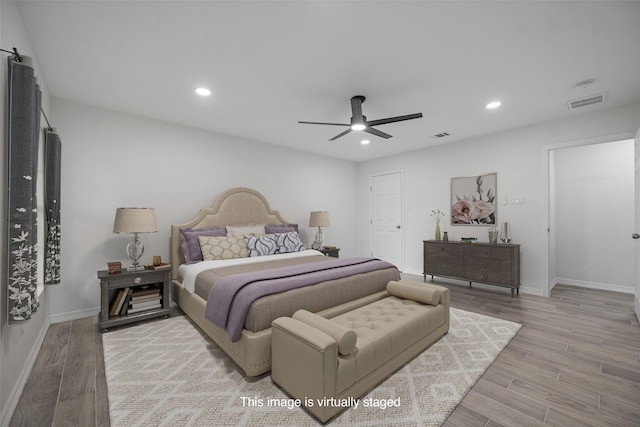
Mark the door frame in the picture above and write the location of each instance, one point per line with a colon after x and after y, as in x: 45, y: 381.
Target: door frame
x: 402, y: 222
x: 636, y: 220
x: 549, y: 276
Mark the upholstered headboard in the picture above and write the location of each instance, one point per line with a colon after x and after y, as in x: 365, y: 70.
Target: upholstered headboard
x: 236, y: 206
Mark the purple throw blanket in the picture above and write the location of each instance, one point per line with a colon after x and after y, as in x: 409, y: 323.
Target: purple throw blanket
x: 231, y: 297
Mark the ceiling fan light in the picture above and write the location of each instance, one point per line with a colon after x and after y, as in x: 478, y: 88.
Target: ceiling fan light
x: 358, y: 126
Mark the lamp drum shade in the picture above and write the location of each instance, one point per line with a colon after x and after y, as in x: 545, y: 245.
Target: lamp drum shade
x: 135, y: 220
x: 319, y: 219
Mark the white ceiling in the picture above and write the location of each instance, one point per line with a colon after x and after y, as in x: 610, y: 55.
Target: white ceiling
x: 271, y: 63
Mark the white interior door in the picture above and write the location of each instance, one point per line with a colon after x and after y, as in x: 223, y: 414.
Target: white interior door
x: 386, y: 218
x: 636, y: 231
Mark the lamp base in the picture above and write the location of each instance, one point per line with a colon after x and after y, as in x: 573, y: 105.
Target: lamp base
x: 317, y: 244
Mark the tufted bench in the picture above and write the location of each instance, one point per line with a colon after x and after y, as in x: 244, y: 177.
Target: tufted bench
x: 345, y: 356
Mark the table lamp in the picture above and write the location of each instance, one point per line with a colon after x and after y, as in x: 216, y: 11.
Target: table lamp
x: 319, y: 219
x: 135, y: 220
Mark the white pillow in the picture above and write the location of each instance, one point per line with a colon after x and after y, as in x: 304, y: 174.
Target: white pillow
x: 243, y: 230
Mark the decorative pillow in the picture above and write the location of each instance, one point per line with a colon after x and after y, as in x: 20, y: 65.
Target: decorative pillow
x: 190, y: 244
x: 288, y: 242
x: 261, y: 245
x: 228, y: 247
x: 280, y: 228
x: 413, y: 291
x: 242, y: 230
x: 345, y: 338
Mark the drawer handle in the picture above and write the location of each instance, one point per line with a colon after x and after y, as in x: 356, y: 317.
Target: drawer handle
x: 137, y: 280
x: 486, y: 252
x: 486, y: 264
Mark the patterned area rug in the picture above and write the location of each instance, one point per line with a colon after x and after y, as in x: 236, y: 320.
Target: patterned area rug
x: 167, y: 373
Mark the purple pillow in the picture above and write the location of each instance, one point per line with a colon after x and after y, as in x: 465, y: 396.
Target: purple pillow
x: 280, y: 228
x: 191, y: 245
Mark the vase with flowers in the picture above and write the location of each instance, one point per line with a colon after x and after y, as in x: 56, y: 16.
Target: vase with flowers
x: 437, y: 215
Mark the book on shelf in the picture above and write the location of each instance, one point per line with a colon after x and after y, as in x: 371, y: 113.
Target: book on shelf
x: 149, y: 297
x: 145, y: 291
x: 146, y: 303
x: 125, y: 305
x: 122, y: 299
x: 145, y: 308
x: 116, y: 300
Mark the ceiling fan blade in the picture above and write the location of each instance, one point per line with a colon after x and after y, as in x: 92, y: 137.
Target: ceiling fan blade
x: 356, y: 109
x: 376, y: 132
x: 322, y: 123
x: 394, y: 119
x: 342, y: 134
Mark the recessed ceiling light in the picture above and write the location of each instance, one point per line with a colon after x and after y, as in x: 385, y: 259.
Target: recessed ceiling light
x: 365, y: 142
x: 203, y: 91
x: 494, y: 104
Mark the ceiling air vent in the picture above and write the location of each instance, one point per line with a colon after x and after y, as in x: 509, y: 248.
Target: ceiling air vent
x: 598, y: 98
x: 440, y: 135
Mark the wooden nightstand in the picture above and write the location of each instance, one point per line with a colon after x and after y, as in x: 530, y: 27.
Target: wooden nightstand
x: 151, y: 283
x: 333, y: 252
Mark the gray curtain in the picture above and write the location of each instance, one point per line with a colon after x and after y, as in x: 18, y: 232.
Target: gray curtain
x: 52, y: 159
x: 24, y: 130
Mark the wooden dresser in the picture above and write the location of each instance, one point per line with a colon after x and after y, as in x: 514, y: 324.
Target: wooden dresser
x: 491, y: 264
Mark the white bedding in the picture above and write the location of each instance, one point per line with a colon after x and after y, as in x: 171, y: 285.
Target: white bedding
x: 187, y: 273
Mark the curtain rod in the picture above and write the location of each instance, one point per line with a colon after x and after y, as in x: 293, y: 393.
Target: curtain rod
x: 18, y: 58
x: 14, y: 53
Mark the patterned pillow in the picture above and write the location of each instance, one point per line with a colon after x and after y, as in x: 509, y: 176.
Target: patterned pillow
x: 261, y: 245
x: 242, y: 230
x: 190, y: 244
x: 288, y: 242
x: 214, y: 248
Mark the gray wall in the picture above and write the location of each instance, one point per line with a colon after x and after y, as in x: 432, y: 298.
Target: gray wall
x: 520, y: 159
x: 113, y: 160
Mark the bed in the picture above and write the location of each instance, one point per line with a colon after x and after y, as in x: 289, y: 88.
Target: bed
x: 250, y: 348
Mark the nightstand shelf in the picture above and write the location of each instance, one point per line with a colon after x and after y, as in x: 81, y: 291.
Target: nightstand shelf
x: 112, y: 284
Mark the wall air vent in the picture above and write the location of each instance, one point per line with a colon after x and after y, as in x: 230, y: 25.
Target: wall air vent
x: 598, y: 98
x: 440, y: 135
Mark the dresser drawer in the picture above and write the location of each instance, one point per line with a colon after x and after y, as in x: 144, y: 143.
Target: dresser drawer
x: 135, y: 279
x: 489, y: 264
x: 441, y: 269
x: 489, y: 251
x: 443, y: 249
x: 503, y: 278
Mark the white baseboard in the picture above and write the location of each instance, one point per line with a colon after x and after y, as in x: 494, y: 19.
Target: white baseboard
x: 592, y: 285
x: 74, y: 315
x: 18, y: 387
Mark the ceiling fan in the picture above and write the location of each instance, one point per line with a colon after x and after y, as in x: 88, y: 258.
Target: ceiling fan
x: 360, y: 122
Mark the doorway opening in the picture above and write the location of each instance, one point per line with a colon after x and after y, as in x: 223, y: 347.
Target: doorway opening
x: 590, y: 214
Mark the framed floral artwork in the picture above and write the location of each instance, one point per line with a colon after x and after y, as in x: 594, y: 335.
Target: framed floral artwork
x: 473, y: 200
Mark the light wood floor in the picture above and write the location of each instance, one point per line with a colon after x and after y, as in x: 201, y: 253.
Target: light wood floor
x: 575, y: 362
